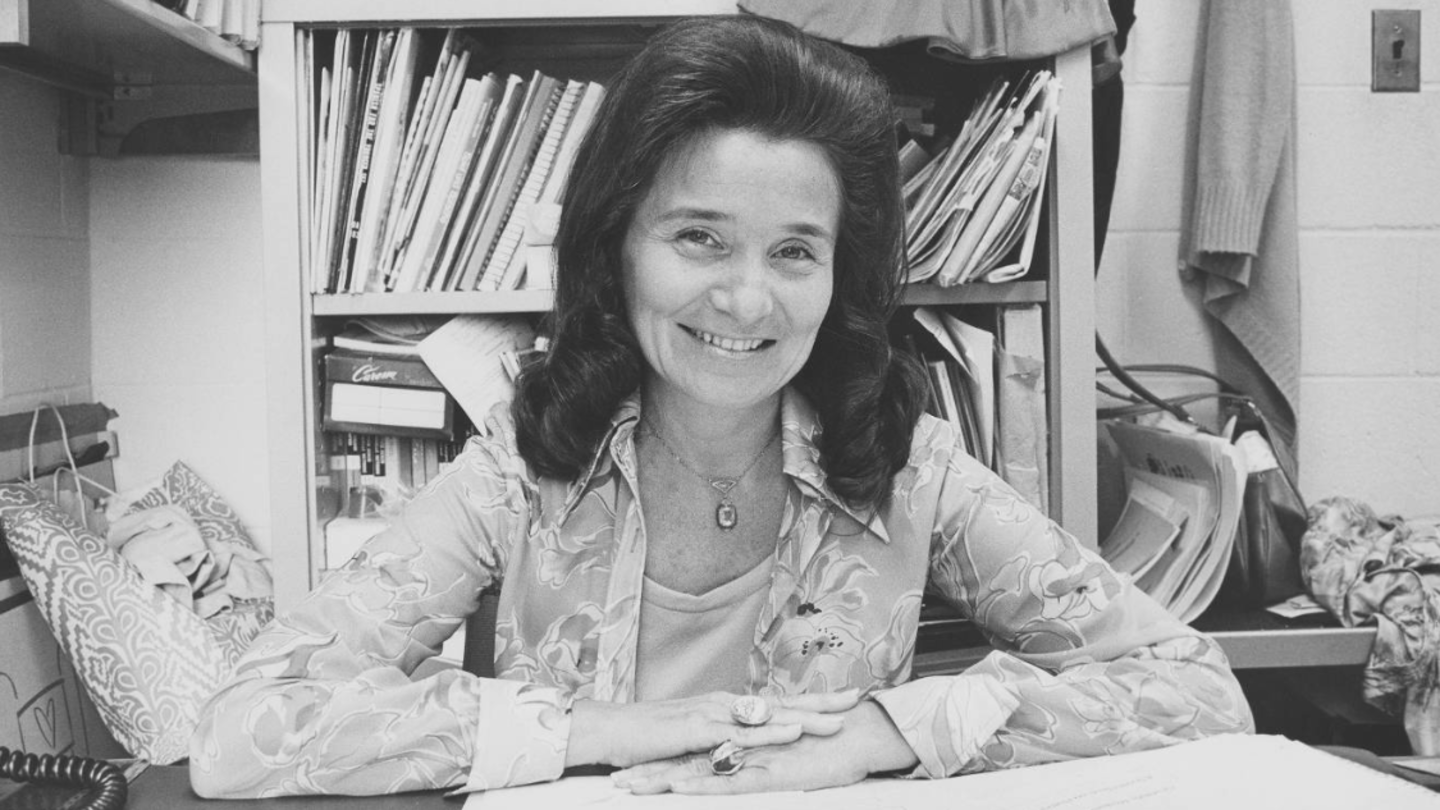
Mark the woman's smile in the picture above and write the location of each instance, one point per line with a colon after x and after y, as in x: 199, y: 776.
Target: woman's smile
x: 730, y: 347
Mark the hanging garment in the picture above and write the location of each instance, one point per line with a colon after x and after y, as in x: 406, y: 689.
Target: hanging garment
x: 972, y: 31
x: 1383, y: 571
x: 1241, y: 245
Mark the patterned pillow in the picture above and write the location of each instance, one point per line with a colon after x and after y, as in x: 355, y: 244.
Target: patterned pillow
x: 148, y: 662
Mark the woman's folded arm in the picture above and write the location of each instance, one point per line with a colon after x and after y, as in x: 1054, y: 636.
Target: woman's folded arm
x: 323, y: 701
x: 1085, y: 663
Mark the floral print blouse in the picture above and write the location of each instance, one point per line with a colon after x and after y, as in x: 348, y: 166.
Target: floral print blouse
x: 1084, y: 663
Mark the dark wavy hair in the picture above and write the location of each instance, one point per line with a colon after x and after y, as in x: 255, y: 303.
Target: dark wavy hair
x: 761, y: 76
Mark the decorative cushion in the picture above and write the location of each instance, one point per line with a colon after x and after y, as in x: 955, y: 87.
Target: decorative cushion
x: 148, y: 662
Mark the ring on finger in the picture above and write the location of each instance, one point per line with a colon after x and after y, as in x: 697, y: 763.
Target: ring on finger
x: 727, y: 758
x: 751, y: 710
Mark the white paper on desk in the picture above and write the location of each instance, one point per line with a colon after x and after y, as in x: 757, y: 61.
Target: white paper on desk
x: 464, y: 354
x: 1233, y: 771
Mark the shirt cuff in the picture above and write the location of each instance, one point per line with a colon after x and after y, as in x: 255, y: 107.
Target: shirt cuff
x: 946, y: 720
x: 522, y: 735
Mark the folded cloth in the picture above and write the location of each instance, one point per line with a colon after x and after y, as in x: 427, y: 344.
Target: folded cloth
x: 182, y: 538
x: 1366, y: 569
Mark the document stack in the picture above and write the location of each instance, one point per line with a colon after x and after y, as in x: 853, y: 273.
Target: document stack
x: 1176, y: 532
x: 973, y: 211
x: 433, y: 179
x: 990, y: 386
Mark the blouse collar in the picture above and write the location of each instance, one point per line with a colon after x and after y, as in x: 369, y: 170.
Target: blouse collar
x: 799, y: 434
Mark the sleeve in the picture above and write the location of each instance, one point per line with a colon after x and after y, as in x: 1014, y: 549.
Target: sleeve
x: 1084, y: 662
x: 323, y: 701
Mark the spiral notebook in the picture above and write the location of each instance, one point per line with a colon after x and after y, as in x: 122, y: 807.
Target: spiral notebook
x: 1230, y: 772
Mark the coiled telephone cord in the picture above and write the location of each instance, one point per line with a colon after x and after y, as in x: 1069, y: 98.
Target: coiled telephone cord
x: 105, y: 781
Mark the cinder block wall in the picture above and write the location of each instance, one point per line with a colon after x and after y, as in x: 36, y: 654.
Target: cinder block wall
x: 179, y: 324
x: 1369, y: 211
x: 44, y: 253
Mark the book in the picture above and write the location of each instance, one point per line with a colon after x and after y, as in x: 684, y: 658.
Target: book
x: 394, y: 111
x: 389, y: 410
x: 340, y: 148
x: 430, y: 134
x: 378, y: 56
x: 415, y: 131
x: 498, y: 264
x: 1022, y: 441
x: 529, y: 129
x: 367, y: 368
x: 478, y: 185
x: 452, y: 166
x: 554, y: 188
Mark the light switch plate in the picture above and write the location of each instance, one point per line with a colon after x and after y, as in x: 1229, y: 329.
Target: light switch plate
x: 1395, y: 50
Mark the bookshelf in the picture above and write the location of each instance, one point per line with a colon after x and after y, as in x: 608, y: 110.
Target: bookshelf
x: 96, y: 46
x: 586, y: 40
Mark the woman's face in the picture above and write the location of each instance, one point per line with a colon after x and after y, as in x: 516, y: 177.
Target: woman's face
x: 728, y: 266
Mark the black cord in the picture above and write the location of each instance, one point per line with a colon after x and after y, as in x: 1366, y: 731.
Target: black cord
x: 1134, y: 385
x: 105, y: 781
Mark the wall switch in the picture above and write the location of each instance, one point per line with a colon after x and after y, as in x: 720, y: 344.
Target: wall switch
x: 1395, y: 50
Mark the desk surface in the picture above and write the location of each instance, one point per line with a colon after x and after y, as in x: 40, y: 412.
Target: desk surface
x: 1252, y: 639
x: 168, y: 786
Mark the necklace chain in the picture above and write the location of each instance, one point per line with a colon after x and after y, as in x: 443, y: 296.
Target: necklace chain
x: 726, y: 513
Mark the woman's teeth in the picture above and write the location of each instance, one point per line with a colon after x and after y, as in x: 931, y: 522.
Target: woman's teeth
x: 729, y: 344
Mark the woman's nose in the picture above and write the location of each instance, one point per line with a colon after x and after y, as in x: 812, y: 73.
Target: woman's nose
x: 744, y: 292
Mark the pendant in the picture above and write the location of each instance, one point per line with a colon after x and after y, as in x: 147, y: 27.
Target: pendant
x: 726, y: 515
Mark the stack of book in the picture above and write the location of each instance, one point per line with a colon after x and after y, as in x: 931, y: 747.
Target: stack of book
x: 973, y: 209
x: 428, y: 182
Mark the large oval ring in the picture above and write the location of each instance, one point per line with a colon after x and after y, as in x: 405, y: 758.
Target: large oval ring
x: 727, y: 758
x: 751, y: 710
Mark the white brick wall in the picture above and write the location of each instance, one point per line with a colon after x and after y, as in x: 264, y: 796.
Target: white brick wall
x: 44, y: 254
x: 1369, y: 210
x: 179, y: 321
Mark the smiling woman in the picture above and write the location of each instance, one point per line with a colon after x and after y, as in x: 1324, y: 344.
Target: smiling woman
x: 714, y: 504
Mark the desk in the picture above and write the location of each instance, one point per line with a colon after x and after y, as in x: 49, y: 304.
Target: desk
x: 1256, y: 639
x: 168, y: 787
x: 1252, y: 639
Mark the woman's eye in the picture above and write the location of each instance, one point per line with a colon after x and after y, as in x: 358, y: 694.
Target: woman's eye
x: 698, y: 237
x: 794, y: 252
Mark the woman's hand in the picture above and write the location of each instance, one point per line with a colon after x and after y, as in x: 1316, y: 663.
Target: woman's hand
x: 869, y: 743
x: 626, y: 734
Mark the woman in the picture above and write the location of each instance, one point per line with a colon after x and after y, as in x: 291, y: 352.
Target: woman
x: 671, y: 526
